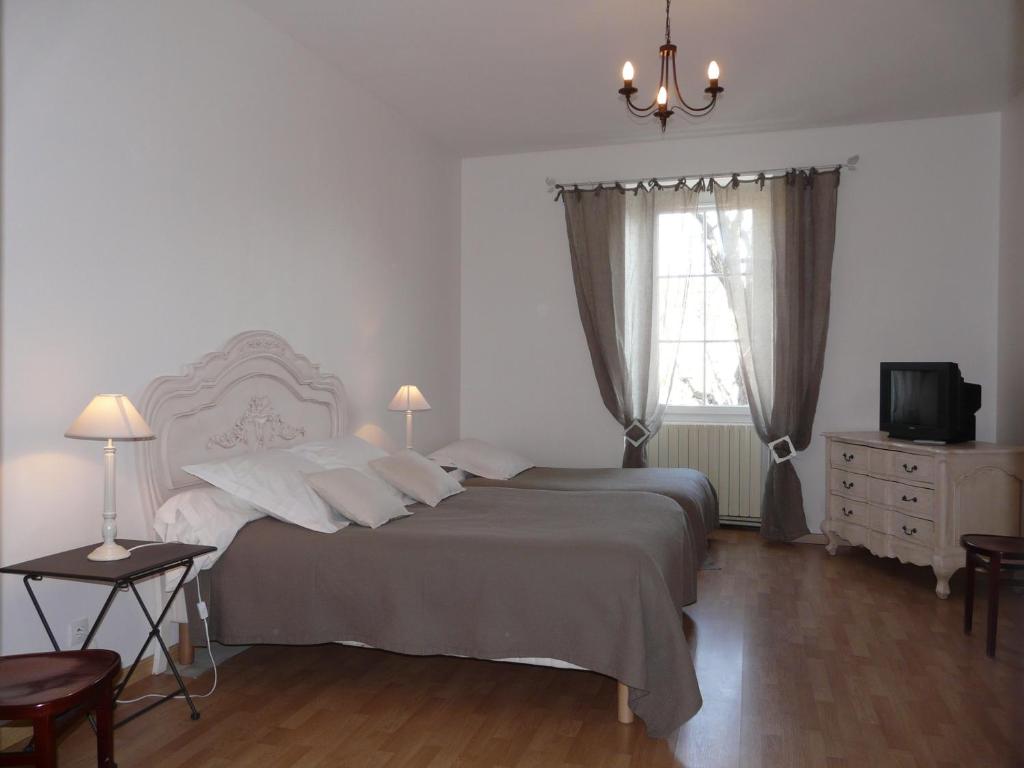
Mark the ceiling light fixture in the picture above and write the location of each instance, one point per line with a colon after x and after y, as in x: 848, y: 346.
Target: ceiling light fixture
x: 660, y: 106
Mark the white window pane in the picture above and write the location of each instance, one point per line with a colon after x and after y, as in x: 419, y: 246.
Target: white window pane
x: 699, y: 364
x: 721, y: 324
x: 680, y: 244
x: 682, y: 373
x: 739, y: 227
x: 681, y: 308
x: 724, y: 382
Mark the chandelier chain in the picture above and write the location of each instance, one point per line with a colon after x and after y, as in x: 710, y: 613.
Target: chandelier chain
x: 668, y: 22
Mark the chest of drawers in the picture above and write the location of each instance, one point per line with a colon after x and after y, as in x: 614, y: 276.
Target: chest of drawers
x: 912, y: 501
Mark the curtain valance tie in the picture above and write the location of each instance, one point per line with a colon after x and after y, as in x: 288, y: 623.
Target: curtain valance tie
x: 782, y: 450
x: 637, y: 433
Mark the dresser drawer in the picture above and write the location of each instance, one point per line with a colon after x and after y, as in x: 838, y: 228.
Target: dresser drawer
x: 878, y: 518
x: 848, y: 511
x: 852, y: 458
x: 915, y: 501
x: 910, y: 498
x: 912, y: 529
x: 849, y: 485
x: 903, y: 466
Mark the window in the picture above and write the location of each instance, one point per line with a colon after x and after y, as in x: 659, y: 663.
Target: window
x: 698, y: 342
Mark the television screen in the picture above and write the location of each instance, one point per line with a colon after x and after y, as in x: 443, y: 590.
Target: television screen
x: 914, y: 398
x: 927, y: 401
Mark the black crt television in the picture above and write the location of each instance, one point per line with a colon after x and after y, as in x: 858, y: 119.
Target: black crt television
x: 927, y: 401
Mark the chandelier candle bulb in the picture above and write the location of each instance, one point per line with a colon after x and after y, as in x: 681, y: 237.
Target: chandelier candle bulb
x: 627, y: 74
x: 713, y: 73
x: 662, y: 96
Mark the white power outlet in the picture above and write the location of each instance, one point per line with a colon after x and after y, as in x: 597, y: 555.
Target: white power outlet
x: 78, y: 630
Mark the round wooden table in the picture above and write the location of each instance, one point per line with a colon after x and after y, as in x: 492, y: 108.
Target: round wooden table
x: 994, y: 554
x: 41, y: 686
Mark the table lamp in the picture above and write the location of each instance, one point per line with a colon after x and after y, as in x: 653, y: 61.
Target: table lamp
x: 110, y: 418
x: 408, y: 398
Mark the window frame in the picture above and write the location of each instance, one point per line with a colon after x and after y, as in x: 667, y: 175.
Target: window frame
x: 703, y: 414
x: 707, y: 414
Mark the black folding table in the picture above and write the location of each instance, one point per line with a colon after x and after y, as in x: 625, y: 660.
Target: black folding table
x: 123, y: 575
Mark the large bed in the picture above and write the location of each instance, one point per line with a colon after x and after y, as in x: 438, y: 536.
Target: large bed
x: 592, y: 580
x: 690, y: 489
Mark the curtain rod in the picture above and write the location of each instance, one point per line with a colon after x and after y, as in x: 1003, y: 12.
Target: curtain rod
x: 850, y: 164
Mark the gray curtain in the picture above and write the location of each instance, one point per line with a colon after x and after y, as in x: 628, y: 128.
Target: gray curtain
x: 779, y: 284
x: 613, y: 245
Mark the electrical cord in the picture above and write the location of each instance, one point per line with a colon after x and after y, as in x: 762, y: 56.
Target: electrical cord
x: 153, y: 544
x: 204, y: 615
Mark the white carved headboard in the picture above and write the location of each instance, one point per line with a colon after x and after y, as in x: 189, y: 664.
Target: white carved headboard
x: 255, y: 393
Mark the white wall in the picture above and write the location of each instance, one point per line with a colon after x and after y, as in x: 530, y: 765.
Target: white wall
x: 914, y: 277
x: 1011, y: 275
x: 174, y: 173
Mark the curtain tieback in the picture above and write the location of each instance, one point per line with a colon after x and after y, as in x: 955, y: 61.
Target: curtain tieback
x: 637, y: 433
x: 782, y: 449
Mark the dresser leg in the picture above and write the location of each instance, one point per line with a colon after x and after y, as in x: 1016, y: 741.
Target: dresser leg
x: 945, y: 564
x: 833, y: 543
x: 943, y: 572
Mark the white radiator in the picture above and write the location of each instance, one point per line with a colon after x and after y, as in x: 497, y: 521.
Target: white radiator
x: 731, y: 455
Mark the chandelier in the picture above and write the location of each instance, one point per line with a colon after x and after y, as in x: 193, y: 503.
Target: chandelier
x: 660, y: 107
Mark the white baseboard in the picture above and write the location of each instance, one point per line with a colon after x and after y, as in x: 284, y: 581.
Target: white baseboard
x: 812, y: 538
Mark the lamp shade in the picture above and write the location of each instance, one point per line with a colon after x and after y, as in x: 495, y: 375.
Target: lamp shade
x: 110, y: 417
x: 409, y: 398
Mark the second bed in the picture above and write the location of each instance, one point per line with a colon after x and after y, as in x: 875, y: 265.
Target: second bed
x: 688, y: 488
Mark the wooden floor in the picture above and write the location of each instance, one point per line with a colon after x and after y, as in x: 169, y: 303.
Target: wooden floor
x: 803, y: 660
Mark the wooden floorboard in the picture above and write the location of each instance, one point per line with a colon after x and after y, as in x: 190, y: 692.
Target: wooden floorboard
x: 803, y: 660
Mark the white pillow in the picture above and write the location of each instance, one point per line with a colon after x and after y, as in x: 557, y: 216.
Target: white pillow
x: 204, y: 516
x: 361, y: 498
x: 480, y: 458
x: 348, y: 451
x: 275, y: 482
x: 417, y: 476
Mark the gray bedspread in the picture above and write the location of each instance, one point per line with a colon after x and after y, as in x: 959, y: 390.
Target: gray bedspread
x: 594, y: 579
x: 689, y: 488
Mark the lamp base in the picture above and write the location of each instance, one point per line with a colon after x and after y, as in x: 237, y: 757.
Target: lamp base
x: 106, y: 552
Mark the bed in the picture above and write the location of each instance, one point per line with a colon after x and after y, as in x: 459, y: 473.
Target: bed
x: 583, y: 579
x: 690, y: 489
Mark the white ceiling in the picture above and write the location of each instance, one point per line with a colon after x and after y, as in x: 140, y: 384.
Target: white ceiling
x: 487, y: 77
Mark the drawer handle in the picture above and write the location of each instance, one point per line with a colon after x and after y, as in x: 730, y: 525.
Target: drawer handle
x: 910, y: 469
x: 910, y: 532
x: 847, y: 512
x: 848, y: 457
x: 847, y: 484
x: 912, y: 500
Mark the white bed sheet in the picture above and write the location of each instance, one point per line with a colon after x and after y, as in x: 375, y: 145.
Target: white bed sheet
x: 532, y: 660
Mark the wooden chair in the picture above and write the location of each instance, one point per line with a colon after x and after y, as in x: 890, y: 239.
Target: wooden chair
x: 994, y: 554
x: 43, y: 686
